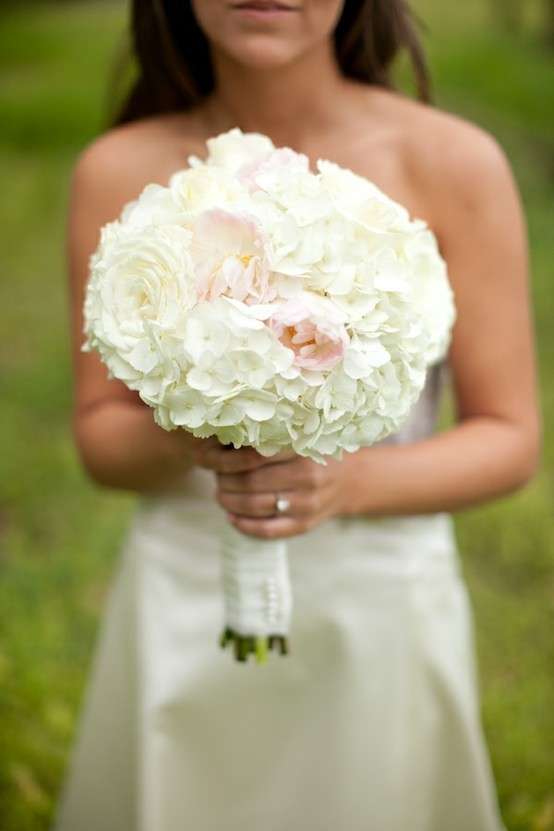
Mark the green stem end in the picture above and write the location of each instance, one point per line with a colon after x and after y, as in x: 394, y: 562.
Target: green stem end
x: 245, y: 645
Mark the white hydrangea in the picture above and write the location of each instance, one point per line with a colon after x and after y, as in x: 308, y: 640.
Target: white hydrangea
x: 268, y: 305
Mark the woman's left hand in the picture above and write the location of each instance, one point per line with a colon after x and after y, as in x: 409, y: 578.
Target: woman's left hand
x: 309, y: 491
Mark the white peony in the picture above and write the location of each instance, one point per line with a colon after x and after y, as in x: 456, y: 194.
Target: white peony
x: 229, y: 251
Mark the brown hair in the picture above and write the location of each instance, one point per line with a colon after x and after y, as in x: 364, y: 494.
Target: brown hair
x: 173, y: 55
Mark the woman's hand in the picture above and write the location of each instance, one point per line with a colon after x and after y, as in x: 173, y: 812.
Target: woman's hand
x: 248, y: 486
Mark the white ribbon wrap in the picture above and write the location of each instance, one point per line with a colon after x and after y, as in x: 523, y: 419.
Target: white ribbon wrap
x: 256, y: 584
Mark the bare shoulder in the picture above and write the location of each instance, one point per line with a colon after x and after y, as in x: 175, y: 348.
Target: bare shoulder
x: 116, y: 166
x: 450, y: 157
x: 452, y: 146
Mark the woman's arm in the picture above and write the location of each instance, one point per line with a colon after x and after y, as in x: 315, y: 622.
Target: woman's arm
x: 118, y: 441
x: 494, y: 447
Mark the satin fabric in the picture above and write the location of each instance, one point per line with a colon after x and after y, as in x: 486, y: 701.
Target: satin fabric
x: 370, y: 724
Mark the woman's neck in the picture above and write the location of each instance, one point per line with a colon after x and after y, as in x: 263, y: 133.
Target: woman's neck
x: 286, y: 103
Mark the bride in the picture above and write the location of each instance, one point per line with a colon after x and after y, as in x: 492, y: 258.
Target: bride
x: 373, y: 721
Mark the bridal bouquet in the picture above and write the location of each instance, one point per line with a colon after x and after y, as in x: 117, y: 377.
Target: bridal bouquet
x: 267, y: 305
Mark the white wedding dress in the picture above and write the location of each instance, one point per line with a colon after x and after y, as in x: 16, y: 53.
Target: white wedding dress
x: 371, y: 723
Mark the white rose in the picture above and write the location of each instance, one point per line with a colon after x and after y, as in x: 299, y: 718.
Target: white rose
x: 141, y: 286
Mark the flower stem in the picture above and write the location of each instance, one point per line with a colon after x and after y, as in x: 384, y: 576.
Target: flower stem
x: 259, y: 646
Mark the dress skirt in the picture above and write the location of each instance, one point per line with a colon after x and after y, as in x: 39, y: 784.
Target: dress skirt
x: 371, y: 723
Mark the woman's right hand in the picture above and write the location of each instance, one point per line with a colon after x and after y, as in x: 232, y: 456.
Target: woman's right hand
x: 211, y: 454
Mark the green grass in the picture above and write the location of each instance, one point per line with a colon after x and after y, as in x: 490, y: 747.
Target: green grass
x: 59, y: 535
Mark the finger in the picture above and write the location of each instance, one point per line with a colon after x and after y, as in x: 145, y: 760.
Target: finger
x: 291, y: 475
x: 262, y: 504
x: 270, y: 529
x: 198, y: 447
x: 225, y: 459
x: 282, y: 456
x: 248, y: 504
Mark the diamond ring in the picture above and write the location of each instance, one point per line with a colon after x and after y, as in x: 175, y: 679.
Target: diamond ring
x: 282, y: 504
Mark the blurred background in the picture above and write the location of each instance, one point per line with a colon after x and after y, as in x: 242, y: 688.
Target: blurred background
x: 492, y: 62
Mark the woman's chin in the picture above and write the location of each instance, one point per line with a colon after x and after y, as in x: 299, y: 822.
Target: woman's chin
x: 261, y: 52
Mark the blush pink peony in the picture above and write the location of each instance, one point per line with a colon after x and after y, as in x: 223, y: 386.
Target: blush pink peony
x: 228, y: 251
x: 313, y: 329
